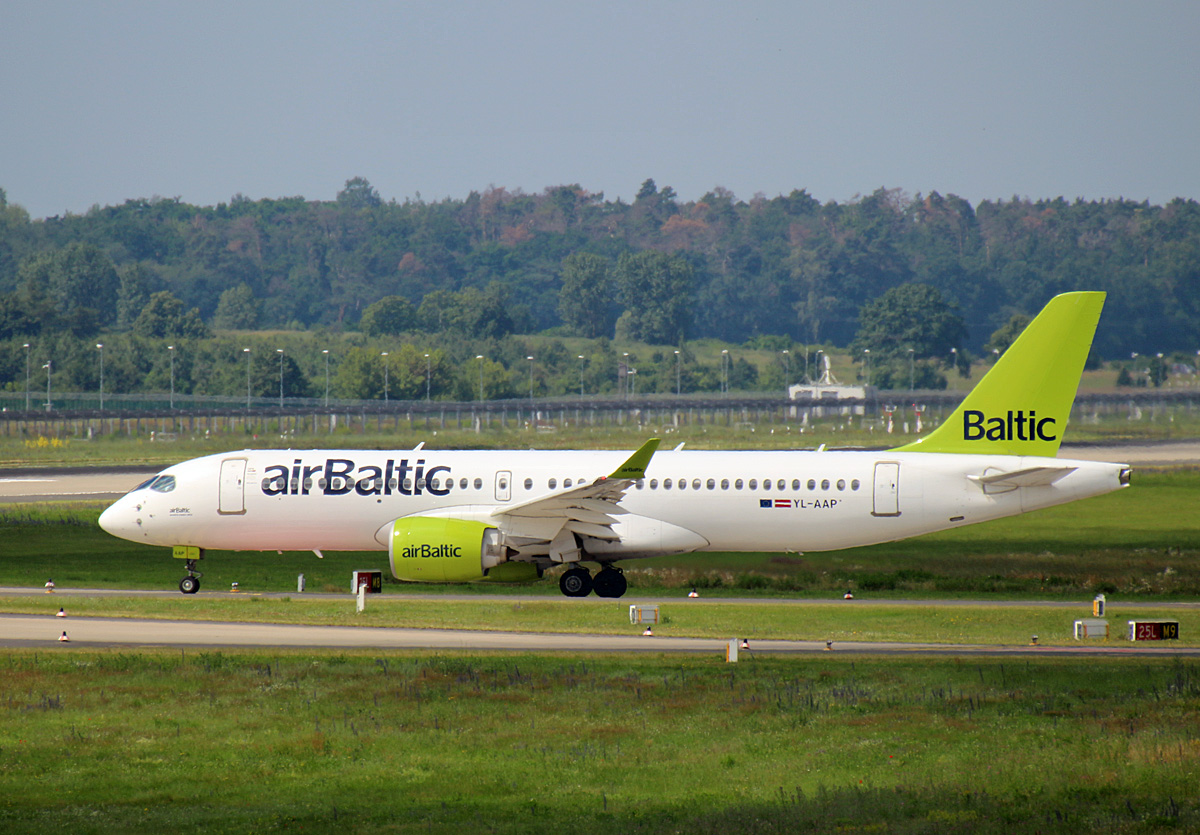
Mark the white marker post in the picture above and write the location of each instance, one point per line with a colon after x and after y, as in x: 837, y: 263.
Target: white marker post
x: 362, y: 597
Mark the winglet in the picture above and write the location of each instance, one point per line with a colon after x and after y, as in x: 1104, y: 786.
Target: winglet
x: 635, y: 466
x: 1021, y: 406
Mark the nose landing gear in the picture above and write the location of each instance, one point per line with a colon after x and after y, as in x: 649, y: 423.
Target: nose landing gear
x: 191, y: 583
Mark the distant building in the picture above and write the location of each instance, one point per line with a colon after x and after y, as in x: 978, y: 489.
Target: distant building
x: 827, y: 388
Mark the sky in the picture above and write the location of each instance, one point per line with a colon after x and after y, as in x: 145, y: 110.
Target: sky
x: 105, y: 102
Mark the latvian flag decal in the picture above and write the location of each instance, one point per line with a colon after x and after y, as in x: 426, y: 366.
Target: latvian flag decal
x: 775, y: 503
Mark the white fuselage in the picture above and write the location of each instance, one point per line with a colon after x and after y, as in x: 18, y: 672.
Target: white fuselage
x: 341, y: 500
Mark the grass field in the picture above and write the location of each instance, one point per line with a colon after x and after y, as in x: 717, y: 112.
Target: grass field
x: 725, y: 431
x: 362, y: 742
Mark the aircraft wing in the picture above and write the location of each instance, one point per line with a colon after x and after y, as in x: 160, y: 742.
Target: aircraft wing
x: 588, y: 510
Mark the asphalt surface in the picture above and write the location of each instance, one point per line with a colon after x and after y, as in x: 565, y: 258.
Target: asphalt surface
x: 132, y: 633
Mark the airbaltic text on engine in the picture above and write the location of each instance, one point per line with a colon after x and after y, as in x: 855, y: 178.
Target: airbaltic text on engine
x: 1014, y: 427
x: 428, y: 551
x: 342, y: 476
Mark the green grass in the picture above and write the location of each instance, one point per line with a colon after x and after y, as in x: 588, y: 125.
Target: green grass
x: 94, y: 741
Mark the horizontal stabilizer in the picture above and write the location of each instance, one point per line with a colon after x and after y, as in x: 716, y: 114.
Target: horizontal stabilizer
x: 1031, y: 477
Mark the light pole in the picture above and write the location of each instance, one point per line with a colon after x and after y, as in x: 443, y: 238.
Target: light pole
x: 27, y: 376
x: 480, y: 358
x: 678, y: 371
x: 867, y: 362
x: 171, y: 354
x: 912, y: 369
x: 787, y: 374
x: 385, y: 377
x: 725, y: 371
x: 326, y: 353
x: 246, y: 351
x: 624, y: 381
x: 428, y: 376
x: 280, y: 352
x: 581, y: 376
x: 100, y: 348
x: 47, y: 367
x: 530, y: 390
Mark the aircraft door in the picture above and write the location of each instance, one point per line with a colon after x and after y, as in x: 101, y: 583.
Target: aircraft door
x: 233, y: 482
x: 887, y: 489
x: 503, y: 485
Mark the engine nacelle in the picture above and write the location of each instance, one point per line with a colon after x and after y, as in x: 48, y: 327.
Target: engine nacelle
x: 428, y: 549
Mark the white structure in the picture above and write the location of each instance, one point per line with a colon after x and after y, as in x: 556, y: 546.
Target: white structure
x: 828, y: 388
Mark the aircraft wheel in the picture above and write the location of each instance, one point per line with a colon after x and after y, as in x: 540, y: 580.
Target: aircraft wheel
x: 576, y: 582
x: 189, y: 585
x: 610, y: 583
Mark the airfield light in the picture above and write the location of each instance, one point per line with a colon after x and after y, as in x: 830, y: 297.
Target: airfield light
x: 581, y: 375
x: 47, y: 367
x: 100, y: 348
x: 171, y: 349
x: 280, y: 352
x: 678, y: 371
x: 246, y: 351
x: 428, y: 376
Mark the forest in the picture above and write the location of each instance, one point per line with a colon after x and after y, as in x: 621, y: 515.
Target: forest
x: 460, y: 293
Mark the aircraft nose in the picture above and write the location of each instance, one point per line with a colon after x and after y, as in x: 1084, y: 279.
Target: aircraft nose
x: 118, y: 520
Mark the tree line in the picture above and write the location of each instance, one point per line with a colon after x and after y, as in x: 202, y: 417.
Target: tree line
x: 463, y: 278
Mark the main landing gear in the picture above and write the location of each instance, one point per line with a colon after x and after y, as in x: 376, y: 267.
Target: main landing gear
x: 191, y: 583
x: 609, y: 581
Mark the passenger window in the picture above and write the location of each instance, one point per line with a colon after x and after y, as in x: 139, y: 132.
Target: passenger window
x: 641, y: 482
x: 552, y: 483
x: 711, y: 484
x: 695, y: 484
x: 795, y: 484
x: 766, y: 484
x: 462, y: 484
x: 841, y: 484
x: 566, y: 482
x: 854, y: 484
x: 737, y: 485
x: 666, y: 484
x: 529, y: 484
x: 683, y: 484
x: 824, y: 484
x: 812, y: 484
x: 654, y: 484
x: 781, y: 484
x: 408, y: 485
x: 478, y: 483
x: 752, y: 484
x: 724, y: 484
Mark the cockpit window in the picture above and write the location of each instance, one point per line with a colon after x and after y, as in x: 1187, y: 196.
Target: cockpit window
x: 144, y: 484
x: 163, y: 484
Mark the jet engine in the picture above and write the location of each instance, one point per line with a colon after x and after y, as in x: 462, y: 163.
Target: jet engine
x: 429, y: 549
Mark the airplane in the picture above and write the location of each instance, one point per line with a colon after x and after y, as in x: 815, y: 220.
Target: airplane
x: 461, y: 516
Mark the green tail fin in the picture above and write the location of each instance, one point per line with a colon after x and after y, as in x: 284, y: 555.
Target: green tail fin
x: 1021, y: 406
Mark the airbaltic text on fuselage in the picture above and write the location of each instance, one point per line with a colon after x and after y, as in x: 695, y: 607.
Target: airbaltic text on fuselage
x: 431, y: 551
x: 341, y: 476
x: 1015, y: 426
